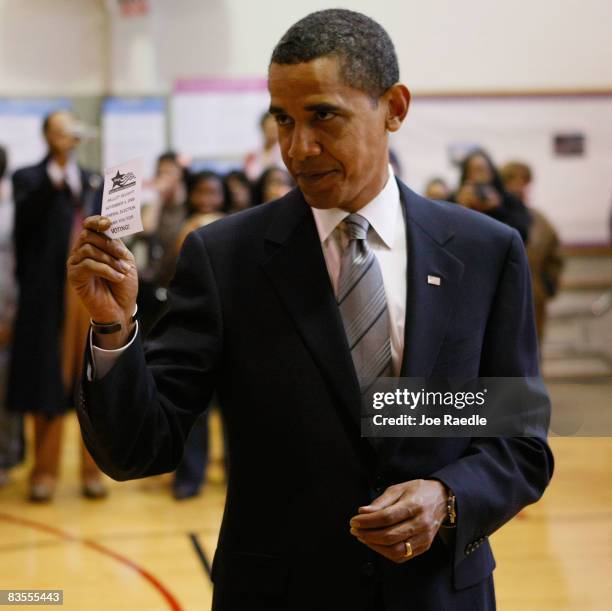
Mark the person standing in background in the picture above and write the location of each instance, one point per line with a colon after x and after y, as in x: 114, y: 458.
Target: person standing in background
x: 437, y: 189
x: 481, y: 189
x: 205, y: 203
x: 11, y: 424
x: 239, y: 191
x: 163, y: 215
x: 543, y: 245
x: 205, y: 200
x: 50, y: 330
x: 163, y: 210
x: 272, y: 184
x: 270, y: 155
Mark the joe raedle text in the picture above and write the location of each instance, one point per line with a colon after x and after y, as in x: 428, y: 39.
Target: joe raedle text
x: 412, y: 411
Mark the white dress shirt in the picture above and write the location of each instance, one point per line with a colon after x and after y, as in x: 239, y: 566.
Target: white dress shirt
x: 69, y: 174
x: 387, y: 239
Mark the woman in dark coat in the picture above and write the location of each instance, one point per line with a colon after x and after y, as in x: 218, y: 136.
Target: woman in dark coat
x: 481, y: 188
x: 50, y: 328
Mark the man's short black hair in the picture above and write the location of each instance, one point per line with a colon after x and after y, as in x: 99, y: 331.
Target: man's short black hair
x: 367, y: 56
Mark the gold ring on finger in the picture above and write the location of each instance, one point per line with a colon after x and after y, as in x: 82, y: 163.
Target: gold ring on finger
x: 408, y: 551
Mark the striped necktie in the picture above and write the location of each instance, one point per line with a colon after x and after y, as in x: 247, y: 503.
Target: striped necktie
x: 363, y: 305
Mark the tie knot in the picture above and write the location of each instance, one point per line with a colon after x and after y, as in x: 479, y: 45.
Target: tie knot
x: 357, y: 227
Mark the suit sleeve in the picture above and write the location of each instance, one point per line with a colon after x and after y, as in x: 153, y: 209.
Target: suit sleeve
x: 135, y: 420
x: 497, y: 477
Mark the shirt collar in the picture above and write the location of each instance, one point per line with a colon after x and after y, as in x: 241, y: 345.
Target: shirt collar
x: 69, y: 173
x: 381, y: 213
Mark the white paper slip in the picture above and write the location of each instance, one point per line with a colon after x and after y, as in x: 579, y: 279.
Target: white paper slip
x: 121, y: 198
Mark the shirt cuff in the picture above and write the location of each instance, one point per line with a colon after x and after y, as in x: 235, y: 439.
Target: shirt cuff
x: 102, y: 361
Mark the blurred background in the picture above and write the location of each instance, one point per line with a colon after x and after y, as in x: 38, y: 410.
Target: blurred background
x: 511, y: 112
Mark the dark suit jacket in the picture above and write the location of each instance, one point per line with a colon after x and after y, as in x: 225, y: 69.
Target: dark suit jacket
x: 43, y: 223
x: 253, y: 315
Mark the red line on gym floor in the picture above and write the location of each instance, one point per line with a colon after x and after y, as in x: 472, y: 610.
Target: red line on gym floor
x: 66, y: 536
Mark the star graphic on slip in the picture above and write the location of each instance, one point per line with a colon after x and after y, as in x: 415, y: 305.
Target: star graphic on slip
x: 117, y: 179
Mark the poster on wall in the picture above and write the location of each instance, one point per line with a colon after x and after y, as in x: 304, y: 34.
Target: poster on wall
x: 21, y: 128
x: 218, y: 118
x: 569, y: 145
x: 133, y: 128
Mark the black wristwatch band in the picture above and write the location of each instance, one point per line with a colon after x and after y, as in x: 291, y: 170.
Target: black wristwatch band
x: 106, y: 328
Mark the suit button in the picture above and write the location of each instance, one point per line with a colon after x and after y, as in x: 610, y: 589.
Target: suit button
x: 368, y: 569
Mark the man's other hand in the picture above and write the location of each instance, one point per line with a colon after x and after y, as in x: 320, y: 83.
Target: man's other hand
x: 411, y: 511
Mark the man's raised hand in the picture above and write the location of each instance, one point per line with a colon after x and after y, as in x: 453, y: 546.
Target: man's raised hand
x: 103, y: 273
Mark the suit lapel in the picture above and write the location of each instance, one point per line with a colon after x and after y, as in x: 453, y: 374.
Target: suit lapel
x: 428, y: 306
x: 296, y: 267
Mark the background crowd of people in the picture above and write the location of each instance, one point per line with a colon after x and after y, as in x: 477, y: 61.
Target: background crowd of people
x: 41, y: 344
x: 503, y: 194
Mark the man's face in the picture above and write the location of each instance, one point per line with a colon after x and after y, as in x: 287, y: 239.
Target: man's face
x: 60, y: 134
x: 333, y: 137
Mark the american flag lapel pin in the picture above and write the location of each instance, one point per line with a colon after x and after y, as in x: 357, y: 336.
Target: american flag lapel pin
x: 435, y: 280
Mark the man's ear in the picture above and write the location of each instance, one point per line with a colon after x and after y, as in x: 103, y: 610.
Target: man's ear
x: 398, y: 101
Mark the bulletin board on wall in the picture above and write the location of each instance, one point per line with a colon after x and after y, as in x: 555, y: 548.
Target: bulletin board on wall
x: 133, y: 127
x: 217, y: 119
x: 566, y: 139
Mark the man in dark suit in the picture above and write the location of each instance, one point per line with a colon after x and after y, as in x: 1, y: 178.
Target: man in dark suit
x: 290, y: 311
x: 51, y: 199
